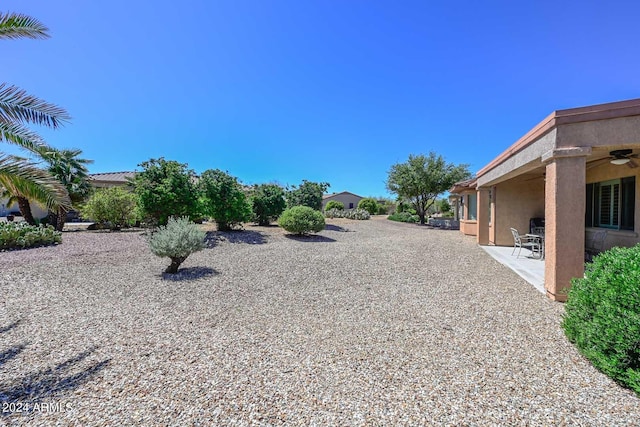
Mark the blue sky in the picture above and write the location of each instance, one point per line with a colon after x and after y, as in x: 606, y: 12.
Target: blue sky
x: 331, y: 90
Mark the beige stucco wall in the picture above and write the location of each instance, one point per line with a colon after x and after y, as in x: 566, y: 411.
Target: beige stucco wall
x: 607, y: 171
x: 37, y: 210
x: 515, y: 202
x: 468, y: 226
x: 345, y: 199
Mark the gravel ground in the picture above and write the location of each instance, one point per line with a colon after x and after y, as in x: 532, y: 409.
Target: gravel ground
x: 368, y: 323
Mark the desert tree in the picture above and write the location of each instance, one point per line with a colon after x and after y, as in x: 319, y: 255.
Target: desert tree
x: 308, y: 193
x: 421, y: 179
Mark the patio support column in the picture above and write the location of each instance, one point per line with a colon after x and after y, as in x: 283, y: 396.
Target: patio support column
x: 565, y: 198
x: 482, y: 216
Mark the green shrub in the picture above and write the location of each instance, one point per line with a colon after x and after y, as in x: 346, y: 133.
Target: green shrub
x: 22, y: 235
x: 349, y: 214
x: 307, y: 194
x: 602, y: 315
x: 301, y: 220
x: 403, y: 217
x: 225, y: 200
x: 166, y: 188
x: 113, y: 207
x: 177, y: 240
x: 368, y: 204
x: 334, y: 204
x: 267, y: 202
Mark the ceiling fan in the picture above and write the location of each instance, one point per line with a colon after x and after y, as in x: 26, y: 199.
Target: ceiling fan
x: 617, y: 157
x: 623, y: 157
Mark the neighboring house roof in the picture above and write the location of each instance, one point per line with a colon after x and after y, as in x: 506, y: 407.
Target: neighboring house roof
x: 113, y: 177
x: 463, y: 185
x: 328, y: 196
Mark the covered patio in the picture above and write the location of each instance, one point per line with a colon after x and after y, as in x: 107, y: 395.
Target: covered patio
x: 577, y: 170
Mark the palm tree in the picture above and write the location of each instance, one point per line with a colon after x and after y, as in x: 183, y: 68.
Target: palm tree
x: 19, y: 177
x: 71, y: 171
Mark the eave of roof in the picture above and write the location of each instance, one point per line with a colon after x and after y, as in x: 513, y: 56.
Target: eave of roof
x: 610, y: 110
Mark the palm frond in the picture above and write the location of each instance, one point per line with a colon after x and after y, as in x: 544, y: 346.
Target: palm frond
x: 17, y: 25
x: 21, y: 178
x: 15, y: 133
x: 16, y: 105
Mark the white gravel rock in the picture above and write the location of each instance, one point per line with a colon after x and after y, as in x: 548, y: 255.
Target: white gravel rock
x: 367, y: 323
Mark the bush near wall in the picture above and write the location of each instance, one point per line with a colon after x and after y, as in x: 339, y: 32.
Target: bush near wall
x: 359, y: 214
x: 368, y: 204
x: 14, y: 235
x: 334, y: 204
x: 602, y: 315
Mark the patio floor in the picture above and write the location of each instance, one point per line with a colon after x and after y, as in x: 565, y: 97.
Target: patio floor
x: 530, y: 269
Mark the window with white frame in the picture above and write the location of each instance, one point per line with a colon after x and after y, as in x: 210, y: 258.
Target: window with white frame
x: 611, y: 204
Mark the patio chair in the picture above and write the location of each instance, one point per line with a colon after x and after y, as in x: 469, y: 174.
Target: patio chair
x: 523, y: 241
x: 595, y: 245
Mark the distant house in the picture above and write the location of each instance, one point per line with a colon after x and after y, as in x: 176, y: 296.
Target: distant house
x: 349, y: 200
x: 111, y: 179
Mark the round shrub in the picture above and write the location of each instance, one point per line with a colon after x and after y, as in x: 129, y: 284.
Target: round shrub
x: 113, y: 207
x: 301, y: 220
x: 602, y: 315
x: 370, y: 205
x: 177, y: 240
x: 334, y: 204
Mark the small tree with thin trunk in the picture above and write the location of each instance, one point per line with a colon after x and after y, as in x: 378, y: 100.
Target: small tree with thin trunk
x: 422, y: 179
x: 177, y: 240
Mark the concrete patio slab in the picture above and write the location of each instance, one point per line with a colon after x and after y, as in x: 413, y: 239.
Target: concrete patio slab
x: 529, y: 268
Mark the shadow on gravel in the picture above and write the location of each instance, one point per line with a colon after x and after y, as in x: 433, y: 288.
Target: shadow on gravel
x: 43, y: 386
x: 314, y: 238
x: 332, y: 227
x: 241, y: 236
x: 10, y: 326
x: 190, y: 273
x: 11, y: 352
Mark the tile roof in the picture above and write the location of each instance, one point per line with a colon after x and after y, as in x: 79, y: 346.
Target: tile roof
x: 112, y: 176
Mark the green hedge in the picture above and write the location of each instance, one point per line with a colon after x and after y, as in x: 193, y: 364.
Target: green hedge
x: 403, y: 217
x: 602, y: 315
x: 22, y: 235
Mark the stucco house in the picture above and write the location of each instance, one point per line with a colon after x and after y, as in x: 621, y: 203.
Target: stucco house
x: 97, y: 180
x: 349, y: 200
x: 576, y: 170
x: 111, y: 179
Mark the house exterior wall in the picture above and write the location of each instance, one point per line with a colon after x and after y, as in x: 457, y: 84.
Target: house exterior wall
x: 38, y: 211
x: 344, y: 198
x: 468, y: 226
x: 606, y: 172
x: 108, y: 184
x: 515, y: 203
x: 565, y: 146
